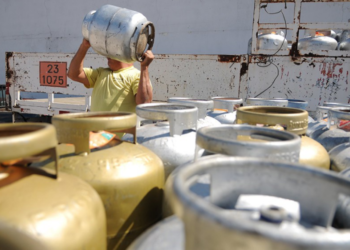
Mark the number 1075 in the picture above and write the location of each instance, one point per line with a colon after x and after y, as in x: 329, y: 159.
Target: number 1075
x: 52, y: 79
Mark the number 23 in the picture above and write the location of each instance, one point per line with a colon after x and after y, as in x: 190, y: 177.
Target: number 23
x: 55, y: 66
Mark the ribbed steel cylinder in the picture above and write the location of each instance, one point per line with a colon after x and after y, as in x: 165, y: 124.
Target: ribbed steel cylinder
x: 224, y: 109
x: 242, y: 140
x: 203, y: 107
x: 259, y: 204
x: 173, y: 135
x: 118, y: 33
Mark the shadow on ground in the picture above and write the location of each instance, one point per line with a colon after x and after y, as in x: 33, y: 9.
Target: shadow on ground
x: 6, y: 117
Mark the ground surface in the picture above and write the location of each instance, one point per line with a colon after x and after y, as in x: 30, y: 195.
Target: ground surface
x: 6, y: 117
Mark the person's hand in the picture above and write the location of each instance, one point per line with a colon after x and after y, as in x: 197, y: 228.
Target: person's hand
x: 147, y: 58
x: 85, y: 44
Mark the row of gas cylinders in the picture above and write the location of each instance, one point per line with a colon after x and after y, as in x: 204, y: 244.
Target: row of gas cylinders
x: 245, y: 176
x: 313, y: 40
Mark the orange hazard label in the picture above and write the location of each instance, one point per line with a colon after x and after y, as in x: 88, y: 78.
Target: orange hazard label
x: 53, y: 74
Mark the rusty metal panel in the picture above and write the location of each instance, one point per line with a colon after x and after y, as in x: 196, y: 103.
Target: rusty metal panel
x: 313, y: 79
x: 196, y: 76
x: 295, y: 27
x: 25, y: 68
x: 22, y: 74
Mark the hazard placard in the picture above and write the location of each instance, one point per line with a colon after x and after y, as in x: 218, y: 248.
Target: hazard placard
x: 53, y: 74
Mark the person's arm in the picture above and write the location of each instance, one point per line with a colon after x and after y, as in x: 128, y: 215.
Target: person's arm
x: 144, y: 91
x: 75, y: 71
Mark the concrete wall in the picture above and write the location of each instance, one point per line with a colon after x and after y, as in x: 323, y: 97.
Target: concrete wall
x: 182, y: 26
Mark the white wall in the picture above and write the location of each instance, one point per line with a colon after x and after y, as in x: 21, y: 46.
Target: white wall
x: 182, y: 26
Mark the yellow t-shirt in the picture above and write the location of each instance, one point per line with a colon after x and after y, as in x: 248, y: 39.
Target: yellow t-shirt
x: 113, y: 90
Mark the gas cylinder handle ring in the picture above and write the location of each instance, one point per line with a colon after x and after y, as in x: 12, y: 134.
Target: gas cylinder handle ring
x: 267, y: 102
x: 294, y: 120
x: 202, y: 104
x: 24, y: 143
x: 226, y: 103
x: 242, y: 140
x: 75, y: 127
x: 336, y: 114
x: 150, y: 39
x: 224, y: 172
x: 180, y: 117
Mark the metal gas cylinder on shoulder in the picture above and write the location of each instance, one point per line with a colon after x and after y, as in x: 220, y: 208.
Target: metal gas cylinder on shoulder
x: 269, y: 39
x: 255, y: 204
x: 290, y: 119
x: 118, y: 33
x: 57, y: 210
x: 128, y: 176
x: 203, y: 107
x: 173, y: 135
x: 224, y: 109
x: 338, y: 125
x: 317, y: 40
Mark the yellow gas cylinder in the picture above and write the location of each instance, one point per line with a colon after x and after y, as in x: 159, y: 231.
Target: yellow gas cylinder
x: 56, y: 210
x: 293, y: 120
x: 12, y: 238
x: 128, y: 176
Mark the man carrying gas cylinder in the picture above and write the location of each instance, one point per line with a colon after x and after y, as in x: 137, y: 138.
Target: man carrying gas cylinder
x: 118, y: 88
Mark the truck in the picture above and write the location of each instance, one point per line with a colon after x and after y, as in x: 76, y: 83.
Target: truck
x: 316, y: 76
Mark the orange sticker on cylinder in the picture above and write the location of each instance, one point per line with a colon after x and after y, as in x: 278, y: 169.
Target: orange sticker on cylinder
x: 53, y: 74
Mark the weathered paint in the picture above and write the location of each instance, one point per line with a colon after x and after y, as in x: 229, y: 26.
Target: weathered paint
x: 9, y: 72
x: 295, y: 27
x: 314, y: 76
x: 24, y: 76
x: 229, y: 58
x: 313, y: 79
